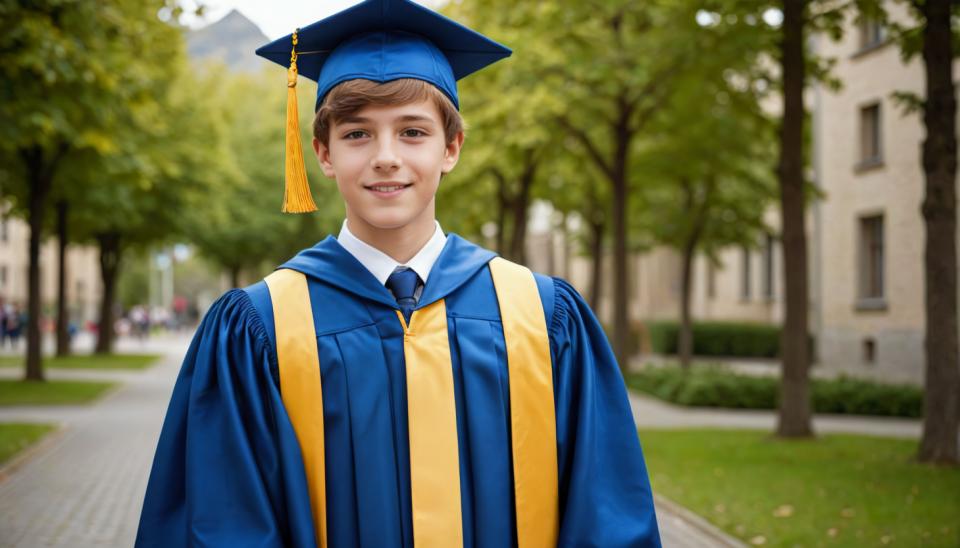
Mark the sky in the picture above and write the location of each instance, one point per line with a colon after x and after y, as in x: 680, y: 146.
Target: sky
x: 277, y: 18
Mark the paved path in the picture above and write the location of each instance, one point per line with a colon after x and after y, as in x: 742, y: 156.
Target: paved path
x: 85, y: 487
x: 653, y: 413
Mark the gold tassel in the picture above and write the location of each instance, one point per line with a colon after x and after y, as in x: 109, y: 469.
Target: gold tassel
x: 296, y: 193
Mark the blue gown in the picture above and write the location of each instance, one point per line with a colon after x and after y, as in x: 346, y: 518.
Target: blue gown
x: 228, y: 471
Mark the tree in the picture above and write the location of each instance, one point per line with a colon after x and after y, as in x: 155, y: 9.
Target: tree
x: 618, y: 65
x: 510, y: 112
x: 795, y: 411
x: 164, y: 147
x: 942, y: 401
x: 710, y: 177
x: 789, y: 67
x: 236, y: 220
x: 70, y: 69
x: 597, y: 71
x: 934, y: 38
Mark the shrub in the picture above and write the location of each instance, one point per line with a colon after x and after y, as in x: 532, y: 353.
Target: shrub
x: 715, y: 386
x: 734, y: 339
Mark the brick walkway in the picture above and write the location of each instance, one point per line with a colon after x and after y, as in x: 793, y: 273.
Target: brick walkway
x: 84, y: 487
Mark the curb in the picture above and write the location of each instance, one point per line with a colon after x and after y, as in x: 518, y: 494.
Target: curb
x: 702, y: 526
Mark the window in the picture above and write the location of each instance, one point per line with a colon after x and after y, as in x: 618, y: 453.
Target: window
x: 869, y: 354
x: 871, y: 33
x: 4, y: 228
x: 745, y: 278
x: 768, y: 266
x: 871, y: 258
x: 3, y: 276
x: 870, y: 142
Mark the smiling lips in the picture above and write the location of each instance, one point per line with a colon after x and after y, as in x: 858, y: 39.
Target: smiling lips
x: 387, y: 190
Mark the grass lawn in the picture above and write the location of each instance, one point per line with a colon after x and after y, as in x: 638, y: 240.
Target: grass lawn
x: 838, y: 490
x: 17, y: 392
x: 15, y: 437
x: 88, y: 361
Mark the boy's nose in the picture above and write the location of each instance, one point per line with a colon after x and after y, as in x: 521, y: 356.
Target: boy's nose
x: 386, y: 158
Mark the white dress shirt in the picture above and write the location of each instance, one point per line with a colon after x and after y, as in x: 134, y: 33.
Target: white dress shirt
x: 382, y: 265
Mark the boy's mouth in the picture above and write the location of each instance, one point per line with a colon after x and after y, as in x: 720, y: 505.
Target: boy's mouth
x: 387, y: 189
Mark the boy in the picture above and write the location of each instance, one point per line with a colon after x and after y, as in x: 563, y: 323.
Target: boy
x: 396, y: 386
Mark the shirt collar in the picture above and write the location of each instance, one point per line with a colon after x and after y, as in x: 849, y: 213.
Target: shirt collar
x: 382, y: 265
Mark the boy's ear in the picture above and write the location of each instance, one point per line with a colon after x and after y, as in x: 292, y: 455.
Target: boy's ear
x: 323, y: 156
x: 452, y: 153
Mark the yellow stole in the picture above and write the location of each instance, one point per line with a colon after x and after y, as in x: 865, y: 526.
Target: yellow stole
x: 431, y: 409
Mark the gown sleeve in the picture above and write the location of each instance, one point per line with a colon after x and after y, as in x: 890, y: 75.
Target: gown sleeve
x: 605, y: 495
x: 226, y: 468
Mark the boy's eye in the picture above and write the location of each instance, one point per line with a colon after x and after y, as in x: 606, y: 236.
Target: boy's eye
x: 411, y: 132
x: 356, y: 134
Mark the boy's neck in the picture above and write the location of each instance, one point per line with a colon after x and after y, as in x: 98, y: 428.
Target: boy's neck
x: 400, y: 244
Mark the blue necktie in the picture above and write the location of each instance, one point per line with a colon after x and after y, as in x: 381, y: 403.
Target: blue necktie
x: 403, y: 283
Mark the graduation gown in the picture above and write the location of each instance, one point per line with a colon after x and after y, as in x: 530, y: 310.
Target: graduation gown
x: 228, y: 469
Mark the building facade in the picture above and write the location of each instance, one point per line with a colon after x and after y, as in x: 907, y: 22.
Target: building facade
x: 83, y: 273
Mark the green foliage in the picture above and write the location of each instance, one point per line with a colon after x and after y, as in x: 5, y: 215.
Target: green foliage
x: 835, y: 490
x: 133, y: 284
x: 847, y: 395
x: 235, y: 219
x: 80, y: 74
x: 706, y: 387
x: 708, y: 176
x: 509, y: 112
x: 714, y: 386
x: 717, y: 338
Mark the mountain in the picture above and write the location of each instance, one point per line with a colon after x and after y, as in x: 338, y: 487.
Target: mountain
x: 231, y: 40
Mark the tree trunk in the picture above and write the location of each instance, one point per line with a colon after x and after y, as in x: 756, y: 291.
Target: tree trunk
x: 503, y: 203
x: 518, y: 236
x: 941, y: 412
x: 794, y: 414
x: 621, y: 320
x: 519, y: 206
x: 63, y: 315
x: 597, y: 228
x: 685, y: 342
x: 234, y: 276
x: 699, y: 213
x: 40, y: 182
x: 110, y: 252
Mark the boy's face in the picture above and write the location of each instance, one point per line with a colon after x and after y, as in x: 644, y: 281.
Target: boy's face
x: 387, y: 161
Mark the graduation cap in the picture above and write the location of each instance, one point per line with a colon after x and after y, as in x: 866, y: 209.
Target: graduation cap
x: 378, y: 40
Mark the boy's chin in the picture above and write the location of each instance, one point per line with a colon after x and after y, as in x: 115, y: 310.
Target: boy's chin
x: 391, y: 221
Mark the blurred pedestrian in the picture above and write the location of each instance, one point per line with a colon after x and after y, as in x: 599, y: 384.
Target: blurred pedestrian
x: 3, y: 323
x: 15, y: 320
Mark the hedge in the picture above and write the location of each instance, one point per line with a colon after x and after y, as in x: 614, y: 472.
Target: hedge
x: 733, y: 339
x: 715, y: 386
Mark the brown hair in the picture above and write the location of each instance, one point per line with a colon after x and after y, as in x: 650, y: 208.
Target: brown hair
x: 350, y: 97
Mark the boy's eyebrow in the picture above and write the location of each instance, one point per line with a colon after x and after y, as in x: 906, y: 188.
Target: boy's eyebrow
x: 402, y: 119
x: 415, y: 118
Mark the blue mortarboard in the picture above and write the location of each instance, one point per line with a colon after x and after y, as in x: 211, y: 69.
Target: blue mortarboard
x: 378, y: 40
x: 384, y: 40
